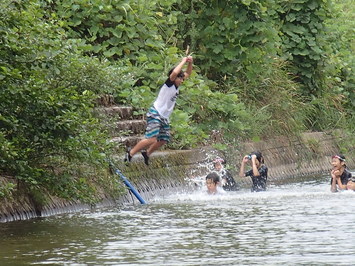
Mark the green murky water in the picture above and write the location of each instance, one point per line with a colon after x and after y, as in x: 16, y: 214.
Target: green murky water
x: 291, y: 224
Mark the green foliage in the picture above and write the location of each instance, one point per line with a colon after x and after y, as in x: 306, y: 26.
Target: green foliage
x: 314, y: 146
x: 145, y: 78
x: 116, y: 28
x: 340, y: 71
x: 346, y: 142
x: 6, y: 190
x: 230, y: 37
x: 334, y: 105
x: 262, y: 68
x: 211, y: 109
x: 276, y: 100
x: 85, y: 182
x: 46, y: 103
x: 186, y: 133
x: 304, y: 40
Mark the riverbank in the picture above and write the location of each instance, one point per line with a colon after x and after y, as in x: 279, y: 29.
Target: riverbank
x: 286, y: 158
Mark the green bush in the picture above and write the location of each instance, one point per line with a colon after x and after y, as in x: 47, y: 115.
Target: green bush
x: 229, y: 38
x: 46, y: 100
x: 304, y: 40
x: 6, y: 190
x: 117, y: 29
x: 262, y: 68
x: 334, y: 105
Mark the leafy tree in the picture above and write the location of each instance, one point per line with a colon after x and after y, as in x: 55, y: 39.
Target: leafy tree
x: 45, y: 119
x: 230, y: 37
x: 115, y: 28
x: 255, y: 61
x: 304, y: 40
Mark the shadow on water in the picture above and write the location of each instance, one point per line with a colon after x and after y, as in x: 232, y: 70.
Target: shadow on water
x: 294, y: 223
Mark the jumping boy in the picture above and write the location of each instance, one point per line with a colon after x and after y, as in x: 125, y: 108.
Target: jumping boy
x: 158, y: 129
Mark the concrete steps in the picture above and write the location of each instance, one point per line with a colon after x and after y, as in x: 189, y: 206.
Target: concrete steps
x: 133, y: 126
x: 126, y: 141
x: 126, y: 125
x: 120, y: 112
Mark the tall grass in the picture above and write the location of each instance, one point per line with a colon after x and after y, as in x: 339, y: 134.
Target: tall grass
x: 274, y: 101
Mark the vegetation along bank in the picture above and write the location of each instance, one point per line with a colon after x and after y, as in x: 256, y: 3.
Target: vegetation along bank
x: 263, y: 69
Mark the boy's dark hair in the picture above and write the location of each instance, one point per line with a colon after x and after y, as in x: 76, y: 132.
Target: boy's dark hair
x: 258, y: 155
x: 214, y: 176
x: 181, y: 74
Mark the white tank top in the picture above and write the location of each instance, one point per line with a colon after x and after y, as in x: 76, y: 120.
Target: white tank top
x: 166, y: 99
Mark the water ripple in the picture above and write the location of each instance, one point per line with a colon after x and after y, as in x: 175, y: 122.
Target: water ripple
x: 293, y: 224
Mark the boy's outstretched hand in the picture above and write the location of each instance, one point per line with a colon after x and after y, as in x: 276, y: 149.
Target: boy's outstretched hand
x: 189, y: 59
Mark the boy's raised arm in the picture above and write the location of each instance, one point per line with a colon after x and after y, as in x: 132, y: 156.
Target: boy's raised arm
x: 189, y: 67
x: 179, y: 67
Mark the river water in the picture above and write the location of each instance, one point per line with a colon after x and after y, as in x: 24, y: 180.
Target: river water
x: 299, y: 223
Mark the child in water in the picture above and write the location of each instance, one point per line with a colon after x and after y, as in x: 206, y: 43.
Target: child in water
x: 340, y: 175
x: 351, y: 184
x: 258, y: 173
x: 212, y: 182
x: 227, y: 180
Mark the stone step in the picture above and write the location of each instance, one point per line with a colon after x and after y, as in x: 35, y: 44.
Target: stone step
x: 131, y: 126
x: 126, y: 141
x: 105, y: 100
x: 120, y: 112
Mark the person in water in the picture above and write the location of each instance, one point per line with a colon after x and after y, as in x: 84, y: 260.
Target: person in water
x: 340, y: 175
x: 351, y: 184
x: 212, y: 183
x: 258, y: 173
x: 158, y: 129
x: 227, y: 180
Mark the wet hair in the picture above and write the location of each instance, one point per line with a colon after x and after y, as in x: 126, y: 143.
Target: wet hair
x: 213, y: 176
x: 340, y: 157
x: 219, y: 160
x: 258, y: 155
x: 180, y: 75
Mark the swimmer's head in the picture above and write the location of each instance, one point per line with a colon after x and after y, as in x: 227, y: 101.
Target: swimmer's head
x: 218, y: 163
x: 338, y: 161
x: 212, y: 181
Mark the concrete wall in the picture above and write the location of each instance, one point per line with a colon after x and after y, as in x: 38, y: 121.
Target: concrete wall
x: 170, y: 170
x: 288, y: 158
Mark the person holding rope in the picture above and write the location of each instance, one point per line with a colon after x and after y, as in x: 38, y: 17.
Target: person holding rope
x: 157, y: 131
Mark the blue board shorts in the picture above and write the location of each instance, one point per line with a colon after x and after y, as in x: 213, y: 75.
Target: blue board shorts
x: 157, y: 126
